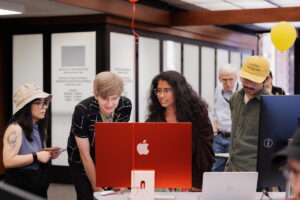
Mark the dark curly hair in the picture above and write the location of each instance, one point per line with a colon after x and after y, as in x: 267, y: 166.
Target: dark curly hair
x: 189, y: 106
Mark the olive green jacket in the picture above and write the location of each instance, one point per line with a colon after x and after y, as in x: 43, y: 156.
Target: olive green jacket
x: 245, y: 128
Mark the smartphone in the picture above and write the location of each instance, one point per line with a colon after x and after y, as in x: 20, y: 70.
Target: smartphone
x: 58, y: 151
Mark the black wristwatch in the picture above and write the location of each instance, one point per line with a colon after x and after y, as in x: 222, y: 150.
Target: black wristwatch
x: 35, y: 158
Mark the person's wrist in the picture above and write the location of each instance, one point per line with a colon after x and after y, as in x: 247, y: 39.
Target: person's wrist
x: 98, y: 189
x: 35, y: 158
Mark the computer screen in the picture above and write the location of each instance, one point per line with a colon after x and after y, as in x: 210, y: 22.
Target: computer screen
x: 164, y: 147
x: 279, y: 118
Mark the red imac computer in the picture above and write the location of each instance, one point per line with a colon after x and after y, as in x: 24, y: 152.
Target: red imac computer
x: 163, y: 147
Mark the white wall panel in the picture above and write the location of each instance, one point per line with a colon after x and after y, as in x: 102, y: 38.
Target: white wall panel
x: 27, y: 60
x: 235, y: 59
x: 222, y: 59
x: 245, y: 55
x: 73, y: 60
x: 191, y: 65
x: 171, y: 56
x: 148, y: 68
x: 208, y: 75
x: 122, y: 62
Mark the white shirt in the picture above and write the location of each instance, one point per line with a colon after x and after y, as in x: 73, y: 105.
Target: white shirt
x: 221, y: 111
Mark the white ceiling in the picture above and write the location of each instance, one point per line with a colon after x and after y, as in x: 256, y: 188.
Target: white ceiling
x: 193, y: 5
x: 232, y: 4
x: 46, y: 8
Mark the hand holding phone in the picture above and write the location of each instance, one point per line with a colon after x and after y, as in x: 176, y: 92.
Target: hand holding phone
x: 58, y: 151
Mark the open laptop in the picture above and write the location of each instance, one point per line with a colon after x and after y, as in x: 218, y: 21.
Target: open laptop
x: 164, y: 147
x: 229, y: 185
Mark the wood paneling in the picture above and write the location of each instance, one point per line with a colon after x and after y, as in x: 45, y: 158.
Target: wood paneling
x: 124, y: 9
x: 160, y: 21
x: 204, y: 33
x: 46, y: 21
x: 235, y: 16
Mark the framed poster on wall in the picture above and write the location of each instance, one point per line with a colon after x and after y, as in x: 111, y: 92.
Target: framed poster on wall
x: 73, y: 69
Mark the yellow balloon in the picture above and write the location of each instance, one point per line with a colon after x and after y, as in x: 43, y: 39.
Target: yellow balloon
x: 283, y: 35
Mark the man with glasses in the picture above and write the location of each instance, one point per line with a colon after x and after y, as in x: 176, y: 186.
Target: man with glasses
x: 221, y: 113
x: 292, y: 154
x: 245, y: 110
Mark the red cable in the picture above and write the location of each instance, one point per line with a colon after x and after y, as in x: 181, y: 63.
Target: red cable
x: 136, y: 36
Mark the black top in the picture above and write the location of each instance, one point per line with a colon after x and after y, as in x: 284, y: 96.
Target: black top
x: 202, y: 152
x: 277, y: 91
x: 84, y: 117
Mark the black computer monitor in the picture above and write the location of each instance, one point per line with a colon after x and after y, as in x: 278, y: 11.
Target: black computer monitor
x: 9, y: 192
x: 279, y: 118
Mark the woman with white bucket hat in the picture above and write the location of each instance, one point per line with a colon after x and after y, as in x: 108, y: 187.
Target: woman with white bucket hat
x: 25, y: 137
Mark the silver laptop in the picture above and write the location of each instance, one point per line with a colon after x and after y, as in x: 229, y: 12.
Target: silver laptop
x: 229, y: 186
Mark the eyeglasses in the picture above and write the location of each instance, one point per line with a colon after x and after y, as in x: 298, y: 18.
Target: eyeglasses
x: 165, y: 91
x: 42, y: 103
x: 230, y: 80
x: 247, y: 81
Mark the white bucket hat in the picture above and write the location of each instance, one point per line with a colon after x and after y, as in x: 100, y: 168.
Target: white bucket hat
x: 27, y: 93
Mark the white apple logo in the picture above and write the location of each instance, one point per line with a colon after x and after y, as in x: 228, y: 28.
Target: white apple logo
x: 142, y: 148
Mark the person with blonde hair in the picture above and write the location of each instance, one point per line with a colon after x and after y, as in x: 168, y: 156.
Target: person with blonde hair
x: 106, y: 105
x: 25, y: 137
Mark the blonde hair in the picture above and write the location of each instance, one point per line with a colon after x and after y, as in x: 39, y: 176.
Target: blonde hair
x: 107, y: 84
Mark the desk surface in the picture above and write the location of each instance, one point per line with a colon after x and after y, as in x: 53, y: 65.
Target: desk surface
x: 222, y: 155
x: 187, y: 196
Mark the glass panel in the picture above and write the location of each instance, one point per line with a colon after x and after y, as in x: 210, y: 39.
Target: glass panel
x: 71, y: 81
x: 191, y: 65
x: 171, y: 56
x: 148, y: 68
x: 122, y: 62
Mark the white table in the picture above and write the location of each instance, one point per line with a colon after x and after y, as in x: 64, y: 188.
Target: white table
x: 222, y: 155
x: 188, y: 196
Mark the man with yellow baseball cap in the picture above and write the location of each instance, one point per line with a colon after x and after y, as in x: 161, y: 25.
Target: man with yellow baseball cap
x: 245, y: 111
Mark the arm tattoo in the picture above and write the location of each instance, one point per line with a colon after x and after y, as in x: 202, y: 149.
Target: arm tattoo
x: 12, y: 140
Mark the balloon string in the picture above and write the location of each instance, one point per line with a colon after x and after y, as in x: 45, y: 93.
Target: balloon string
x: 136, y: 36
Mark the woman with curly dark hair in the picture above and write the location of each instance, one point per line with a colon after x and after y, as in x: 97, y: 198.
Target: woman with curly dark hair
x: 172, y: 99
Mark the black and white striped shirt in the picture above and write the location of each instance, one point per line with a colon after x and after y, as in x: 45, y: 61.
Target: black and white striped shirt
x: 84, y: 117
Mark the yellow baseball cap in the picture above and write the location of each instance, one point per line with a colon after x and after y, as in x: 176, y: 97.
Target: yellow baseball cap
x: 255, y: 68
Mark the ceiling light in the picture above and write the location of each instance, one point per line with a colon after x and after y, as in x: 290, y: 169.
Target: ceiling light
x: 200, y: 1
x: 8, y: 8
x: 269, y: 25
x: 252, y: 5
x: 218, y: 6
x: 243, y: 0
x: 290, y: 3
